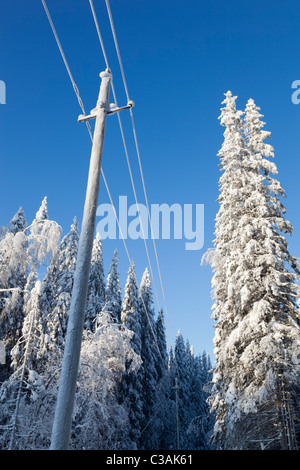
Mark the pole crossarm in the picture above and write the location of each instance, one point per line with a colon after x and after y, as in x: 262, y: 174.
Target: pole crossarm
x: 112, y: 109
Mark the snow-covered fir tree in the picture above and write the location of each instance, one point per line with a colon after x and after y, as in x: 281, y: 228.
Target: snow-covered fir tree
x: 195, y: 423
x: 22, y: 249
x: 42, y: 213
x: 14, y: 390
x: 131, y: 386
x: 148, y: 355
x: 207, y: 374
x: 257, y: 327
x: 13, y: 272
x: 183, y: 381
x: 130, y: 308
x: 18, y: 223
x: 61, y: 274
x: 161, y: 350
x: 201, y: 421
x: 43, y: 237
x: 27, y: 397
x: 164, y: 410
x: 96, y: 288
x: 113, y: 299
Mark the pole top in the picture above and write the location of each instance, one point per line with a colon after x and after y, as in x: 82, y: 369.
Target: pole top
x: 107, y: 73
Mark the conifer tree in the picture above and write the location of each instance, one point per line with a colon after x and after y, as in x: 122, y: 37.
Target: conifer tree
x: 161, y: 351
x: 131, y: 386
x: 201, y: 421
x: 61, y: 276
x: 130, y: 308
x: 183, y: 389
x: 13, y: 273
x: 171, y: 362
x: 22, y: 394
x: 207, y: 375
x: 257, y: 329
x: 146, y: 312
x: 18, y: 222
x: 23, y: 249
x: 96, y: 289
x: 113, y: 301
x: 42, y: 213
x: 43, y: 237
x: 164, y: 410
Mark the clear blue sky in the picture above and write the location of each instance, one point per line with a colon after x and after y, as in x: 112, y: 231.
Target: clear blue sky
x: 179, y: 58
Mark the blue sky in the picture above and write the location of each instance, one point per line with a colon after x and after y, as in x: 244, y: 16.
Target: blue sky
x: 179, y: 58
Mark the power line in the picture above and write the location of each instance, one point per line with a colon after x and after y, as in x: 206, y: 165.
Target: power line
x: 124, y: 142
x: 117, y: 47
x: 89, y: 129
x: 126, y: 154
x: 66, y: 64
x: 138, y: 154
x: 125, y: 149
x: 99, y: 34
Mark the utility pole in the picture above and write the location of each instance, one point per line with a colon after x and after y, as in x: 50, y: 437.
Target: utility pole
x: 66, y: 394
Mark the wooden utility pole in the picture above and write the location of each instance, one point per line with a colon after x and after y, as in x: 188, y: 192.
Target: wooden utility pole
x: 66, y: 394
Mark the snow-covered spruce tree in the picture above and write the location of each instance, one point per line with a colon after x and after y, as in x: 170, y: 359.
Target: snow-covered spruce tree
x: 22, y: 250
x: 164, y: 419
x: 207, y: 375
x: 31, y: 321
x: 113, y: 299
x: 201, y: 421
x: 42, y: 213
x: 18, y: 223
x: 43, y: 237
x: 148, y: 354
x: 130, y: 393
x: 58, y: 284
x: 161, y: 351
x: 165, y: 408
x: 257, y: 329
x: 13, y: 273
x: 130, y: 314
x: 13, y: 390
x: 96, y: 292
x: 193, y: 395
x: 184, y: 378
x: 27, y: 397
